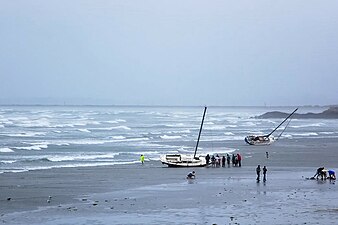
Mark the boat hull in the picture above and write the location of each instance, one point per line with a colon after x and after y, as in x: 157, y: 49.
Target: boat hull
x: 259, y: 140
x: 180, y: 160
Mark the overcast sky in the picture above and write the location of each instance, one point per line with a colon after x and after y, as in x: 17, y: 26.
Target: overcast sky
x: 169, y: 52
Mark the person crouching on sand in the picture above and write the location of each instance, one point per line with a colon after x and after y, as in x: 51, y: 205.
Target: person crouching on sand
x: 320, y: 172
x: 332, y: 174
x: 191, y: 175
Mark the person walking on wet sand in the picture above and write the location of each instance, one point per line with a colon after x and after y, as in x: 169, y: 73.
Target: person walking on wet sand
x: 264, y: 173
x: 142, y: 159
x: 258, y: 171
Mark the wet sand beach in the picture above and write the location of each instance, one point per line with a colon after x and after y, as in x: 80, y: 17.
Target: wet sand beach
x: 154, y: 194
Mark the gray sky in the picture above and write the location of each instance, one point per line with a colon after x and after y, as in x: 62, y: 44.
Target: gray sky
x: 169, y: 52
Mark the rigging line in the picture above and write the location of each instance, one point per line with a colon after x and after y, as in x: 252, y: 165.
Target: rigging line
x: 282, y: 122
x: 209, y: 132
x: 284, y: 129
x: 212, y: 139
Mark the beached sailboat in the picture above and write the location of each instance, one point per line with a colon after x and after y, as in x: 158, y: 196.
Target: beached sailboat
x: 186, y: 160
x: 269, y: 138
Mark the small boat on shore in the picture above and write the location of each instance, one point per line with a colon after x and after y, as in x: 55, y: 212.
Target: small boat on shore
x: 186, y: 160
x: 269, y: 138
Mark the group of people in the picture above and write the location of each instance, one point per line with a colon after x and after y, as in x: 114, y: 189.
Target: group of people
x: 218, y: 161
x: 258, y: 172
x: 323, y: 174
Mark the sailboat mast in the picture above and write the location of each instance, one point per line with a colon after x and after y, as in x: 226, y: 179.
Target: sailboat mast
x: 199, y: 134
x: 282, y: 122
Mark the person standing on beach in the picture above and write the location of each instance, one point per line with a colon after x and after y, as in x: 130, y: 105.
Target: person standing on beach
x: 223, y: 161
x: 213, y: 161
x: 228, y: 160
x: 207, y: 159
x: 267, y: 154
x: 258, y: 171
x: 239, y: 159
x: 142, y: 159
x: 264, y: 173
x: 233, y: 159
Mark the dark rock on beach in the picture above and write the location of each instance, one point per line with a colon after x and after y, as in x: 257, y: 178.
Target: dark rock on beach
x: 331, y: 113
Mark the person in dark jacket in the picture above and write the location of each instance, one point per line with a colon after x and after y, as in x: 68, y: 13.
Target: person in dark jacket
x: 264, y: 173
x: 207, y: 159
x: 258, y: 172
x: 191, y: 175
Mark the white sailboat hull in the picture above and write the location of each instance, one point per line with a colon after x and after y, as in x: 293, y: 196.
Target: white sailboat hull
x: 182, y: 160
x: 259, y: 140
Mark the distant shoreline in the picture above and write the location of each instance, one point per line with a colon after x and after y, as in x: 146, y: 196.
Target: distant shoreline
x: 330, y: 113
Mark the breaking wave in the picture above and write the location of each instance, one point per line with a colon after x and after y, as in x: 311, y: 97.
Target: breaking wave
x: 6, y: 150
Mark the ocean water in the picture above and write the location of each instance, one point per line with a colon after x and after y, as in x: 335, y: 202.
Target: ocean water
x: 45, y: 137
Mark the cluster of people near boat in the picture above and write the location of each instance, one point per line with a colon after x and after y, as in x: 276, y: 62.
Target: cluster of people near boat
x: 218, y: 161
x: 324, y: 174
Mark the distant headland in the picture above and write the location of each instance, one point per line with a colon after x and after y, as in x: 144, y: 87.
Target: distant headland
x: 331, y: 113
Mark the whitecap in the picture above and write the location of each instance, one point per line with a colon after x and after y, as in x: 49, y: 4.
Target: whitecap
x: 184, y: 149
x: 112, y: 128
x: 178, y: 131
x: 215, y: 127
x: 87, y: 142
x: 305, y: 134
x: 309, y: 125
x: 25, y: 122
x: 7, y: 161
x: 24, y: 134
x: 248, y: 124
x: 170, y: 137
x: 33, y: 147
x: 118, y: 137
x: 6, y: 150
x: 229, y: 133
x: 175, y: 125
x: 328, y: 133
x: 116, y: 121
x: 286, y: 136
x: 230, y: 126
x: 84, y: 130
